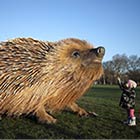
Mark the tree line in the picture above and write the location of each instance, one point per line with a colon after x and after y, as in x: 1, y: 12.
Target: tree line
x: 123, y: 66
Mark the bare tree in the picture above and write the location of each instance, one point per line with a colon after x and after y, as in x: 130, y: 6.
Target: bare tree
x: 123, y: 66
x: 120, y: 63
x: 134, y: 68
x: 108, y: 72
x: 134, y: 63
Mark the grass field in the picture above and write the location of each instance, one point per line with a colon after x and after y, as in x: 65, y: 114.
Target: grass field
x: 103, y: 100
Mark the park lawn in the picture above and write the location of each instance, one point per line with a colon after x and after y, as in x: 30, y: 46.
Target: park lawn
x: 103, y: 100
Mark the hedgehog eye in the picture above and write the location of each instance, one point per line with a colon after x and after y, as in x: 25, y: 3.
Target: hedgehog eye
x: 76, y: 54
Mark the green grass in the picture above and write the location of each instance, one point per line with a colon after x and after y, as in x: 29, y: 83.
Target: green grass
x: 103, y: 100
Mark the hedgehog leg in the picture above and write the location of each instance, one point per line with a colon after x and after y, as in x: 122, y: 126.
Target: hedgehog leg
x: 44, y: 117
x: 75, y: 108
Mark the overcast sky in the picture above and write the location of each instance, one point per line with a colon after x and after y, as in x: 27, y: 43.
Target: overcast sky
x: 114, y: 24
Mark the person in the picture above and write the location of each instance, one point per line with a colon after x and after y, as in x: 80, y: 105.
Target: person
x: 127, y: 100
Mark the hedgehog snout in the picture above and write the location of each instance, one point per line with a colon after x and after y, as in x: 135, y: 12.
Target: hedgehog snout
x: 99, y: 52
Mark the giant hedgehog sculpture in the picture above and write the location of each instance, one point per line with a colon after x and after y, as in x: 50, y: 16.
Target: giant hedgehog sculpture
x: 43, y: 77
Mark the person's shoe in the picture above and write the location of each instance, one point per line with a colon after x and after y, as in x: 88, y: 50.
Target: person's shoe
x: 132, y: 121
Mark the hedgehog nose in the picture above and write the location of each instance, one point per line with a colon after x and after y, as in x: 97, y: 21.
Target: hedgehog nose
x: 100, y: 51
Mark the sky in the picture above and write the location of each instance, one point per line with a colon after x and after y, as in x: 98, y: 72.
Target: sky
x: 114, y: 24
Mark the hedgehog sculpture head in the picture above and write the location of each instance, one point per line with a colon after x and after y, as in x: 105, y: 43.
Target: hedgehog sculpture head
x: 40, y: 77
